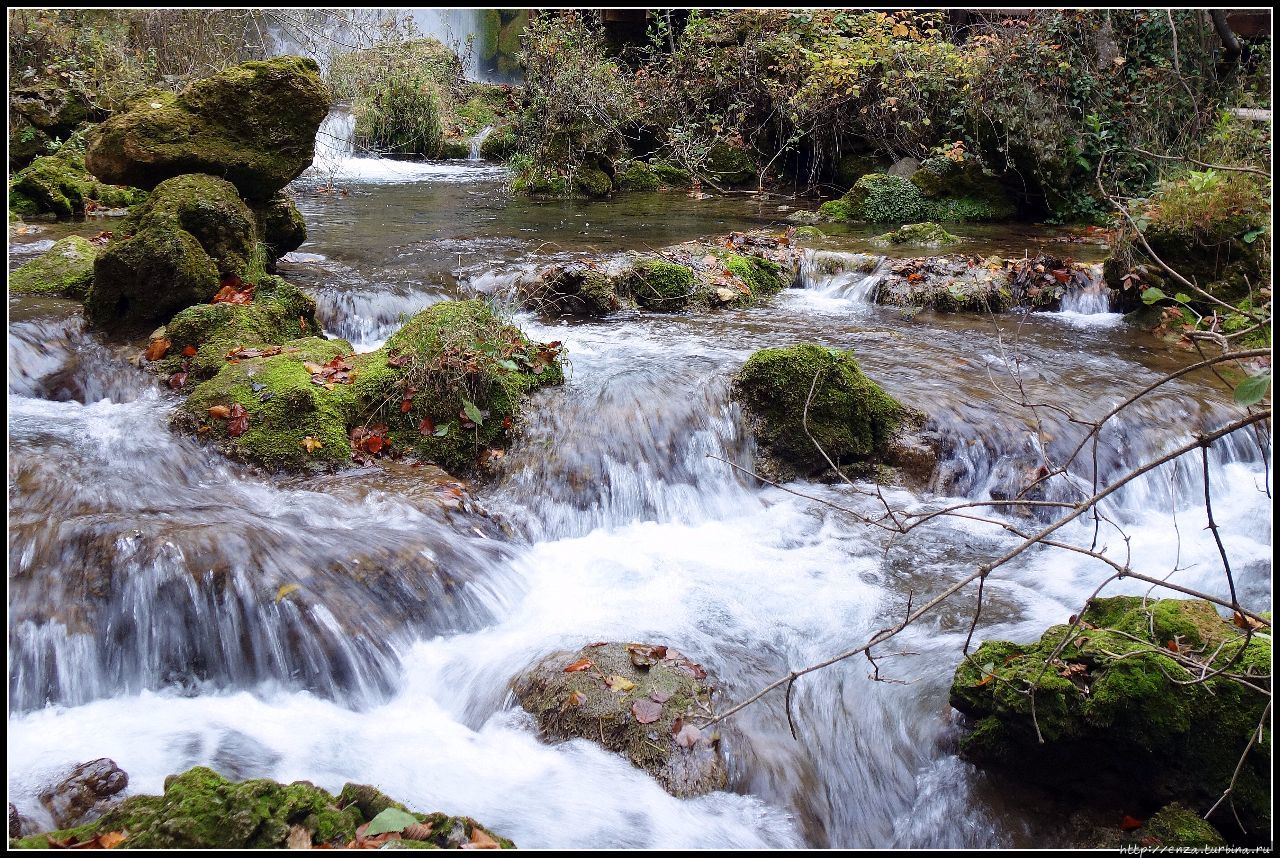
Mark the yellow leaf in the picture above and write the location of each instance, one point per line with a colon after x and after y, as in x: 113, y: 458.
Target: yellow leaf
x: 311, y: 444
x: 286, y: 590
x: 111, y: 839
x: 619, y: 683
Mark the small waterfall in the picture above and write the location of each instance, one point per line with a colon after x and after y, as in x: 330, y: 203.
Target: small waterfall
x: 852, y: 276
x: 477, y: 141
x: 335, y: 141
x: 1091, y: 300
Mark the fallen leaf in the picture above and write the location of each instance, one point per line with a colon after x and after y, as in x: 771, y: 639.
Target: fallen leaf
x: 189, y: 351
x: 391, y: 820
x: 1243, y: 622
x: 659, y: 697
x: 219, y: 412
x: 575, y: 698
x: 426, y: 426
x: 619, y: 683
x: 646, y: 711
x: 157, y: 349
x: 1171, y: 645
x: 239, y: 422
x: 644, y: 656
x: 685, y: 735
x: 285, y: 590
x: 1129, y: 823
x: 417, y: 831
x: 579, y: 665
x: 311, y: 444
x: 481, y: 840
x: 299, y: 838
x: 111, y: 839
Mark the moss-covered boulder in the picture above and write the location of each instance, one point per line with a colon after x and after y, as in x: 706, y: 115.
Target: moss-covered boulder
x: 849, y: 415
x: 879, y: 198
x: 643, y: 701
x: 927, y: 234
x: 848, y: 169
x: 201, y: 336
x: 65, y: 269
x: 280, y: 226
x: 56, y: 109
x: 962, y: 189
x: 572, y: 289
x: 966, y: 284
x: 592, y: 181
x: 26, y: 142
x: 446, y: 388
x: 636, y: 176
x: 671, y: 175
x: 500, y: 145
x: 1120, y: 717
x: 57, y: 185
x: 254, y: 124
x: 730, y: 166
x: 657, y: 284
x: 193, y: 233
x: 200, y: 809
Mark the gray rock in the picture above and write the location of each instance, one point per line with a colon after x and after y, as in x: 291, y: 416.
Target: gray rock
x: 85, y: 794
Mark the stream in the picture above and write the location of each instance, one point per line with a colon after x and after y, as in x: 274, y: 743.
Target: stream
x: 168, y: 608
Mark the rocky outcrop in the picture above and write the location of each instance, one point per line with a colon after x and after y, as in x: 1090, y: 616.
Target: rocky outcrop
x: 56, y: 186
x: 643, y: 701
x: 254, y: 124
x: 66, y: 270
x: 89, y: 791
x: 1117, y: 717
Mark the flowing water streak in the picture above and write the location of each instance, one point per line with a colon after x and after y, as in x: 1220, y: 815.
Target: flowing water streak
x: 478, y: 141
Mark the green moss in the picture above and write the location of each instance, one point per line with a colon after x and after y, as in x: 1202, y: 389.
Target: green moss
x: 572, y: 290
x: 637, y: 176
x: 211, y: 211
x: 671, y: 175
x: 488, y: 35
x: 281, y: 227
x: 499, y: 145
x: 592, y: 181
x: 850, y: 168
x: 763, y: 277
x: 144, y: 279
x: 1174, y: 825
x: 883, y: 198
x: 58, y: 185
x: 849, y: 415
x: 65, y: 269
x: 925, y: 234
x: 731, y: 166
x: 254, y: 124
x: 1112, y: 709
x: 809, y: 232
x: 659, y: 285
x: 840, y: 210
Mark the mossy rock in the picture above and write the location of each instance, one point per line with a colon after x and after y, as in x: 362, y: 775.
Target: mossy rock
x: 200, y: 809
x: 455, y: 149
x: 279, y: 312
x: 449, y: 362
x: 54, y: 108
x: 254, y: 124
x: 927, y: 234
x: 849, y: 169
x: 633, y: 699
x: 1117, y: 724
x: 280, y: 225
x: 573, y: 289
x: 656, y: 284
x: 490, y: 31
x: 58, y: 185
x: 592, y: 181
x: 1175, y: 825
x: 849, y: 415
x: 26, y: 143
x: 500, y: 145
x: 192, y: 233
x: 65, y: 269
x: 671, y: 175
x: 730, y: 166
x: 879, y: 198
x: 636, y: 176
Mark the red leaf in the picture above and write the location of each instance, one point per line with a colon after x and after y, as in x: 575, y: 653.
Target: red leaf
x: 239, y: 422
x: 177, y: 380
x: 426, y: 426
x: 646, y: 711
x: 1129, y: 823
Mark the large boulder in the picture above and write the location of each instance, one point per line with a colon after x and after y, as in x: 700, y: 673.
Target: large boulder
x: 57, y: 185
x: 85, y: 794
x: 939, y: 190
x: 66, y: 269
x: 1144, y: 702
x: 254, y: 124
x: 849, y: 415
x: 643, y: 701
x: 192, y: 234
x: 200, y: 809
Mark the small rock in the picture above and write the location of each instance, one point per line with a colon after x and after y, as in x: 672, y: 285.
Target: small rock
x: 85, y: 794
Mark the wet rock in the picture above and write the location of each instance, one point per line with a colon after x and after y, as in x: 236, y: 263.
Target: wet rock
x: 65, y: 269
x: 254, y: 124
x: 200, y: 809
x: 55, y: 109
x: 449, y: 365
x: 903, y: 168
x: 927, y: 234
x: 657, y: 284
x: 1120, y: 720
x: 962, y: 188
x: 280, y: 226
x: 192, y: 233
x: 849, y: 415
x: 15, y: 821
x: 85, y: 794
x: 970, y: 284
x: 572, y: 289
x: 26, y: 142
x: 640, y: 700
x: 636, y: 176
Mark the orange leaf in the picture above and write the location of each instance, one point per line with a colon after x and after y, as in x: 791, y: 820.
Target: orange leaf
x: 219, y: 412
x: 1172, y: 646
x: 580, y: 664
x: 481, y: 840
x: 189, y: 351
x: 311, y: 444
x: 111, y: 839
x: 157, y: 349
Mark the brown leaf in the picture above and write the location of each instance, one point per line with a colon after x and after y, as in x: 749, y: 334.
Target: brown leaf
x: 644, y: 656
x: 177, y: 380
x: 580, y: 664
x: 659, y: 697
x: 480, y: 839
x: 418, y: 831
x: 157, y: 349
x: 646, y: 711
x: 313, y: 368
x: 1171, y: 645
x: 397, y: 360
x: 239, y: 422
x: 1243, y: 622
x: 111, y: 839
x: 685, y: 735
x: 575, y: 698
x: 1129, y: 823
x: 189, y: 351
x: 426, y: 426
x: 406, y: 405
x: 219, y: 412
x: 299, y: 838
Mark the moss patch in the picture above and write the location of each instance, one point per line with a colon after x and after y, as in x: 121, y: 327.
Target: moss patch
x: 637, y: 176
x: 671, y: 175
x: 849, y: 415
x: 57, y: 185
x: 65, y: 269
x: 659, y: 285
x: 927, y: 234
x: 1115, y: 721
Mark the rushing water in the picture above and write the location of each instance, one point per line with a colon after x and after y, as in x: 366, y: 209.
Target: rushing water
x: 168, y: 608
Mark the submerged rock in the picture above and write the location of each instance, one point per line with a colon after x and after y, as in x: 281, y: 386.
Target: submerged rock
x: 849, y: 415
x: 1120, y: 720
x: 446, y: 388
x: 640, y: 700
x: 927, y: 234
x: 85, y: 794
x: 200, y: 809
x: 65, y: 269
x: 254, y: 124
x: 192, y: 233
